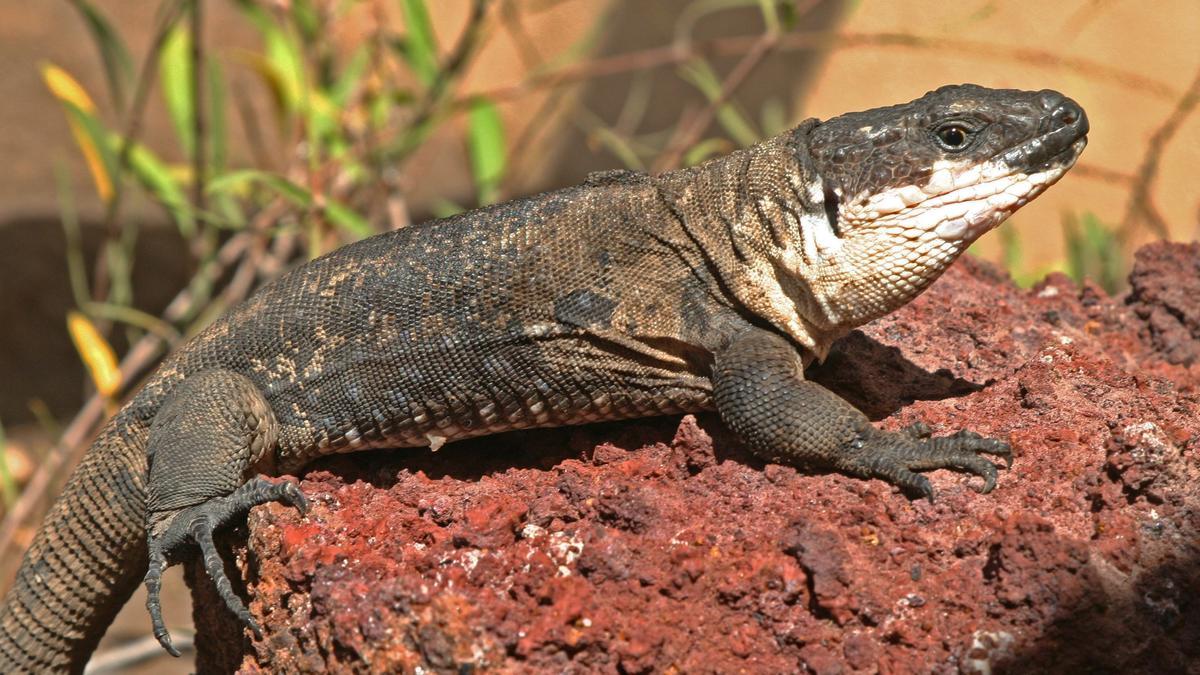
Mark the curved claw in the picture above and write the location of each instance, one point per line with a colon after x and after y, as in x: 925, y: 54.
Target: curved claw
x: 201, y: 530
x: 897, y: 457
x: 918, y: 485
x: 195, y: 525
x: 158, y: 563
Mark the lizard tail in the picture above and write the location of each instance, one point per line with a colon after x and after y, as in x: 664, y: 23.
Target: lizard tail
x: 86, y: 560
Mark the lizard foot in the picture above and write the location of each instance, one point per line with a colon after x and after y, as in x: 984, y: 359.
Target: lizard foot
x: 897, y: 457
x: 196, y: 525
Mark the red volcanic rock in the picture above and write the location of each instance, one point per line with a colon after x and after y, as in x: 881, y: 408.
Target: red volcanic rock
x: 652, y: 546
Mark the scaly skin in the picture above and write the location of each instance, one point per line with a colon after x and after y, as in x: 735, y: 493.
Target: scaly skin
x: 628, y: 296
x: 86, y: 560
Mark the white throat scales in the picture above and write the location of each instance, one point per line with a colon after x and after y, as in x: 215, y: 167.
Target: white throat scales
x: 887, y: 247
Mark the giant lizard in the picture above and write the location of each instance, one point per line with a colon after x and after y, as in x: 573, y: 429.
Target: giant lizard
x: 631, y: 295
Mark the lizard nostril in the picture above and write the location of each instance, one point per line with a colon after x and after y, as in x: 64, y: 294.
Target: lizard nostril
x: 1068, y: 113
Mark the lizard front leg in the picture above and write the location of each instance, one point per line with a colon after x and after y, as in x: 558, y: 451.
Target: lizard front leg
x: 760, y: 391
x: 213, y: 433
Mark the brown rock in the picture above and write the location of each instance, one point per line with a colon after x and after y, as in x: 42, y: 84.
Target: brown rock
x: 660, y: 546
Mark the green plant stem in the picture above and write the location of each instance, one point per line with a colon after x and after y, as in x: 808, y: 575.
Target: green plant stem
x: 204, y: 244
x: 133, y: 127
x: 435, y: 98
x: 8, y: 486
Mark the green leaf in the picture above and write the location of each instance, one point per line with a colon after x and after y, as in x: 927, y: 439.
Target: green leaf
x: 217, y: 129
x: 344, y: 217
x: 281, y: 66
x: 1105, y: 250
x: 702, y: 76
x: 485, y: 141
x: 69, y: 216
x: 773, y: 116
x: 85, y: 128
x: 175, y: 77
x: 771, y: 15
x: 788, y: 16
x: 1073, y: 242
x: 1093, y: 251
x: 98, y: 152
x: 618, y: 146
x: 420, y: 44
x: 235, y: 180
x: 1010, y: 246
x: 444, y: 208
x: 350, y: 76
x: 8, y: 486
x: 156, y: 178
x: 705, y: 149
x: 305, y: 17
x: 284, y: 56
x: 118, y: 65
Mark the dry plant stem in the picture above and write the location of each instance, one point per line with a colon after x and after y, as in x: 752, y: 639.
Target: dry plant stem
x: 531, y: 61
x: 452, y: 68
x: 527, y: 51
x: 799, y: 41
x: 1141, y: 208
x: 203, y: 243
x: 1102, y: 174
x: 250, y: 127
x: 690, y: 132
x: 132, y: 130
x: 1083, y: 15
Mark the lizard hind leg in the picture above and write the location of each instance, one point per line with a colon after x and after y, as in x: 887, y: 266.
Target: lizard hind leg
x: 214, y: 432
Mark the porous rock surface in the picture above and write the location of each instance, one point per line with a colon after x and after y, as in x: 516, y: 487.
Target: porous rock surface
x: 661, y: 546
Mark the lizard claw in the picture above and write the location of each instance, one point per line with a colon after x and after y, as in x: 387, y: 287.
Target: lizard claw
x: 196, y: 525
x: 917, y: 430
x: 897, y: 457
x: 981, y: 444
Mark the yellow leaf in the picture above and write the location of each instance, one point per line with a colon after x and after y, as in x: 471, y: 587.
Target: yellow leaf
x: 68, y: 90
x: 97, y: 355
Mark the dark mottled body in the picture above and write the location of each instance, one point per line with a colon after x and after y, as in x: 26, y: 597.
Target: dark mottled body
x: 514, y: 316
x: 628, y: 296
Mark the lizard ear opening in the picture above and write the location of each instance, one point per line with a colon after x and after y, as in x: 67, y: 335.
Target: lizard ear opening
x: 832, y: 202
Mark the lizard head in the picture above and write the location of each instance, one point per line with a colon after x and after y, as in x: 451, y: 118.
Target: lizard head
x: 905, y: 189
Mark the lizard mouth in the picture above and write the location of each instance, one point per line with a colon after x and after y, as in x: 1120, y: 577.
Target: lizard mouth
x: 989, y: 202
x: 961, y: 202
x: 1063, y: 136
x: 1055, y: 149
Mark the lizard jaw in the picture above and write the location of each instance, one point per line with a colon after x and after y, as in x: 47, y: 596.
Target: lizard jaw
x: 901, y: 240
x: 960, y: 202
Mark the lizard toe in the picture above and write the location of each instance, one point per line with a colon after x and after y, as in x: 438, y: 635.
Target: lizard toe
x: 201, y: 529
x: 913, y: 484
x: 158, y: 563
x: 973, y: 442
x: 973, y: 463
x: 897, y: 457
x: 917, y: 430
x: 194, y: 526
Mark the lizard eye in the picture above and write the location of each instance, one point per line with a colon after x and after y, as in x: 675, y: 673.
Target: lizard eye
x: 953, y: 136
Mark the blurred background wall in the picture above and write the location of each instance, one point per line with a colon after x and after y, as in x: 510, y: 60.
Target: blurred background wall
x: 583, y: 85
